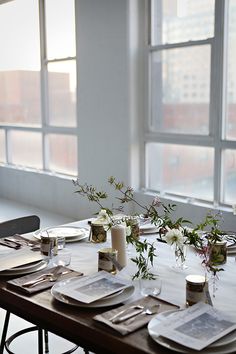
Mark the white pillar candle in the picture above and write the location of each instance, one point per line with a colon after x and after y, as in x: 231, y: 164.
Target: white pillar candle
x: 118, y: 241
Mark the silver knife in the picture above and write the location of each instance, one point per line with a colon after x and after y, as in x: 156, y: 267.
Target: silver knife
x: 17, y: 243
x: 125, y: 317
x: 9, y: 244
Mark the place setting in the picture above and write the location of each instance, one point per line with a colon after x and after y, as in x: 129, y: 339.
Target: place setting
x: 100, y: 289
x: 197, y: 328
x: 47, y: 258
x: 41, y: 279
x: 69, y: 233
x: 20, y: 261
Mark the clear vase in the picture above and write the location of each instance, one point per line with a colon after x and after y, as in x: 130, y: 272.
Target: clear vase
x: 180, y: 256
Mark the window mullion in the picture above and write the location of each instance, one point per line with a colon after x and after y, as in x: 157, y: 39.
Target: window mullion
x: 44, y: 82
x: 217, y: 93
x: 181, y: 44
x: 8, y: 147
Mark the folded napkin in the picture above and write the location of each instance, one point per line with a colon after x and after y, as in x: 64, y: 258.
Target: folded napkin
x: 63, y: 273
x: 134, y: 323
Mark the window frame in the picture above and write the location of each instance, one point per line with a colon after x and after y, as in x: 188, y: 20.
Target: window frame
x: 44, y: 128
x: 217, y: 101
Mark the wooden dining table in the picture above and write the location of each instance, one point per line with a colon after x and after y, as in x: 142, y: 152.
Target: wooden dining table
x: 78, y: 325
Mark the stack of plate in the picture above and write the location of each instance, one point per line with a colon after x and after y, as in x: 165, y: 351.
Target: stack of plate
x: 109, y: 300
x: 148, y: 228
x: 231, y: 249
x: 26, y: 268
x: 71, y: 233
x: 225, y: 345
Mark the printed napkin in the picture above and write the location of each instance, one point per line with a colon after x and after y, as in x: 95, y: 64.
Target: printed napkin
x: 62, y: 273
x: 136, y: 322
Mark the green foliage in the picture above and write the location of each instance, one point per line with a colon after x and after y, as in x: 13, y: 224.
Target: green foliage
x: 202, y: 236
x: 145, y: 251
x: 144, y: 259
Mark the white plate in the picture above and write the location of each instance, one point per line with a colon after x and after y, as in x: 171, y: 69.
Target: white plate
x: 231, y: 250
x: 108, y: 301
x: 71, y: 233
x: 115, y: 294
x: 25, y: 269
x: 149, y: 228
x: 225, y: 345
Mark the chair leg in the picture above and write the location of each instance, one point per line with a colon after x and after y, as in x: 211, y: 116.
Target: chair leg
x: 4, y: 331
x: 46, y: 341
x: 40, y: 341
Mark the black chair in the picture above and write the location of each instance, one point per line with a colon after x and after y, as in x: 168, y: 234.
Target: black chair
x: 23, y: 225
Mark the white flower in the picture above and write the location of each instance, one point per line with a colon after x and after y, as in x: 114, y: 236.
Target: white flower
x: 103, y: 216
x: 128, y: 230
x: 174, y: 236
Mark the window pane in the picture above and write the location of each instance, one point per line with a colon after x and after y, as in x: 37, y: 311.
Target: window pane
x: 26, y: 149
x: 180, y: 101
x: 181, y: 20
x: 229, y: 173
x: 182, y: 170
x: 63, y: 153
x: 60, y: 25
x: 231, y: 79
x: 2, y: 146
x: 62, y: 93
x: 20, y: 63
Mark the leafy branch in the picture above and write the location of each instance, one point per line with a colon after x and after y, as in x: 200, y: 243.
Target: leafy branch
x: 145, y: 250
x: 149, y: 211
x: 144, y: 259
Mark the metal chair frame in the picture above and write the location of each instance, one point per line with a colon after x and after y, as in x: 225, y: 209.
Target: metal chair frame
x: 9, y: 228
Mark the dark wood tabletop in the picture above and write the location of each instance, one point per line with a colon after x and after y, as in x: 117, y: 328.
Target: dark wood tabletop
x: 76, y: 324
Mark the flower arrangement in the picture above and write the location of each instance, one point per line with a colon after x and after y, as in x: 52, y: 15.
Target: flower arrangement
x: 145, y: 250
x: 203, y: 236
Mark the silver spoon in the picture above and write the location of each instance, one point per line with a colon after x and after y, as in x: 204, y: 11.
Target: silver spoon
x: 144, y: 311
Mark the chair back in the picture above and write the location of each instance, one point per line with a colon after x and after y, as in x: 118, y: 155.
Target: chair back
x: 21, y: 225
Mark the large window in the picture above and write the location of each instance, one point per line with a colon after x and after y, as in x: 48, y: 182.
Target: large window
x: 38, y: 121
x: 191, y: 134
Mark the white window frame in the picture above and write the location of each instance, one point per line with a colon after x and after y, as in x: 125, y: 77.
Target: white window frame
x: 216, y: 109
x: 44, y: 128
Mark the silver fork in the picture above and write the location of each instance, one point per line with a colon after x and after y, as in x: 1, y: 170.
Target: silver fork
x: 36, y: 280
x: 49, y: 278
x: 25, y: 240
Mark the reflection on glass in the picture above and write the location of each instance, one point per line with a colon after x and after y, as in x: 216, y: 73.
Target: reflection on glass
x: 182, y: 170
x: 62, y: 153
x: 60, y: 28
x: 231, y: 74
x: 2, y: 146
x: 20, y: 63
x: 62, y: 93
x: 26, y: 149
x: 181, y: 20
x: 180, y: 101
x: 229, y: 176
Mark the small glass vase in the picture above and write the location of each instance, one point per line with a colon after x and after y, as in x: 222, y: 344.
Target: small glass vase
x: 180, y: 256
